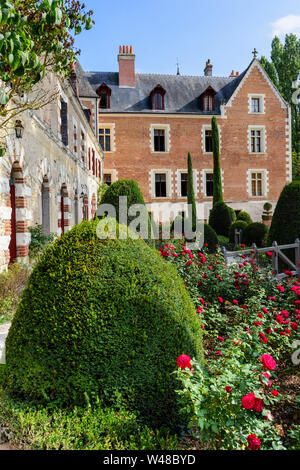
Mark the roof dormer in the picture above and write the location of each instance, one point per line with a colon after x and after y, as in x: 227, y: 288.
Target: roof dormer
x: 158, y: 98
x: 207, y: 99
x: 104, y: 92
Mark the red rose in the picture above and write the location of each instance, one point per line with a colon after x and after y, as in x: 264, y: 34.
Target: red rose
x: 253, y: 442
x: 294, y: 326
x: 258, y: 404
x: 228, y: 389
x: 274, y: 393
x: 268, y: 362
x: 184, y: 361
x: 220, y: 300
x: 268, y: 331
x: 263, y: 339
x: 265, y: 374
x: 279, y: 319
x: 269, y: 253
x: 248, y: 401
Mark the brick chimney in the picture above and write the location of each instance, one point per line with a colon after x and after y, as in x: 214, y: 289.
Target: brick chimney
x: 208, y: 69
x: 126, y: 60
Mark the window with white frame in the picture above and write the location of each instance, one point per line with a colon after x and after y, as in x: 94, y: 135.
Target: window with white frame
x: 209, y: 184
x: 183, y: 184
x: 257, y: 139
x: 107, y: 137
x: 257, y: 182
x: 161, y: 186
x: 160, y: 137
x: 256, y: 104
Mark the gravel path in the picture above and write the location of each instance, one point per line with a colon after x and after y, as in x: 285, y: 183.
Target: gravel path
x: 3, y: 334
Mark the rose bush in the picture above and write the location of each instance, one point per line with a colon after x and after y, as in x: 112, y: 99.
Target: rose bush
x: 250, y: 321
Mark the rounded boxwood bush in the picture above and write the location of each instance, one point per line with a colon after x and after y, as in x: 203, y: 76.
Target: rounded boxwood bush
x: 210, y: 238
x: 221, y: 218
x: 131, y: 190
x: 255, y: 233
x: 102, y: 318
x: 285, y: 226
x: 245, y: 217
x: 240, y: 225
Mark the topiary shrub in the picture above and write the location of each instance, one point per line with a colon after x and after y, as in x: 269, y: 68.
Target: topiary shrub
x: 131, y: 190
x: 239, y: 225
x: 245, y: 217
x: 285, y: 227
x: 221, y: 218
x: 255, y: 233
x: 210, y: 238
x: 102, y: 318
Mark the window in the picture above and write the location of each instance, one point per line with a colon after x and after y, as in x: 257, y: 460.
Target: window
x: 64, y: 123
x: 107, y: 179
x: 183, y: 182
x: 104, y: 93
x: 208, y: 103
x: 256, y: 184
x: 208, y: 99
x: 208, y: 141
x: 158, y: 97
x: 255, y: 105
x: 256, y: 141
x: 209, y: 184
x: 104, y: 138
x: 160, y: 185
x: 159, y: 140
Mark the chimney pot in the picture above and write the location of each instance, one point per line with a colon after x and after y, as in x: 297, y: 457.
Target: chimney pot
x: 237, y: 74
x: 123, y: 49
x: 131, y: 52
x: 120, y: 50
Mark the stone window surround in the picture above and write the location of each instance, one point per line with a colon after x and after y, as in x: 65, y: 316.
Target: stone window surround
x: 166, y: 128
x: 207, y: 127
x: 111, y: 126
x: 178, y: 182
x: 265, y: 182
x: 203, y: 182
x: 263, y: 139
x: 261, y: 103
x: 169, y: 185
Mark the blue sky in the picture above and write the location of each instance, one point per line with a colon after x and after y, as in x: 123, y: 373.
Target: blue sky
x: 226, y: 31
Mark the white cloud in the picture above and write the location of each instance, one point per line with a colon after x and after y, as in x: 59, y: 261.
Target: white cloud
x: 286, y: 25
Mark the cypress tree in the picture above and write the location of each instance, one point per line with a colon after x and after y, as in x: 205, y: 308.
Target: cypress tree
x: 192, y: 211
x: 217, y: 178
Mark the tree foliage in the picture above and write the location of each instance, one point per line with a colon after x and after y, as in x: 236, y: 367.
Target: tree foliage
x: 35, y: 37
x: 217, y: 178
x: 283, y: 68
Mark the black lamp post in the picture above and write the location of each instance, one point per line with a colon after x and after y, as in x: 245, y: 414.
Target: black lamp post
x: 19, y: 129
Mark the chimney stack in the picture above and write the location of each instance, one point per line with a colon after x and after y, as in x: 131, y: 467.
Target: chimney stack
x: 208, y: 69
x: 126, y: 60
x: 232, y: 75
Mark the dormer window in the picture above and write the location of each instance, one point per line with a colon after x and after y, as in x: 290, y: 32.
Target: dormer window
x: 158, y: 98
x: 209, y: 99
x: 104, y: 92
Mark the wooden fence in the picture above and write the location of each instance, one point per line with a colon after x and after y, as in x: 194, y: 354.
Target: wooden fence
x: 277, y: 254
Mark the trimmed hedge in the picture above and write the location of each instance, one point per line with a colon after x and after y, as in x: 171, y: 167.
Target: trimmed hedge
x: 245, y: 217
x: 239, y: 224
x: 131, y: 190
x: 255, y: 233
x: 210, y: 237
x: 102, y: 318
x: 221, y: 218
x: 285, y: 227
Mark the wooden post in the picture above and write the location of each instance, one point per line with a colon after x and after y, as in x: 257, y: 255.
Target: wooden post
x: 297, y: 256
x: 275, y: 257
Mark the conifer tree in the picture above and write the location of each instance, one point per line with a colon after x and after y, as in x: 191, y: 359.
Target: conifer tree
x: 217, y: 178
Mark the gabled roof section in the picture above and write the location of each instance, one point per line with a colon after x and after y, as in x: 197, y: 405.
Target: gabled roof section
x: 85, y: 89
x: 243, y: 77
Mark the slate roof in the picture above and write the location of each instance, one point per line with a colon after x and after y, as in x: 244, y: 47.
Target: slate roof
x: 182, y: 92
